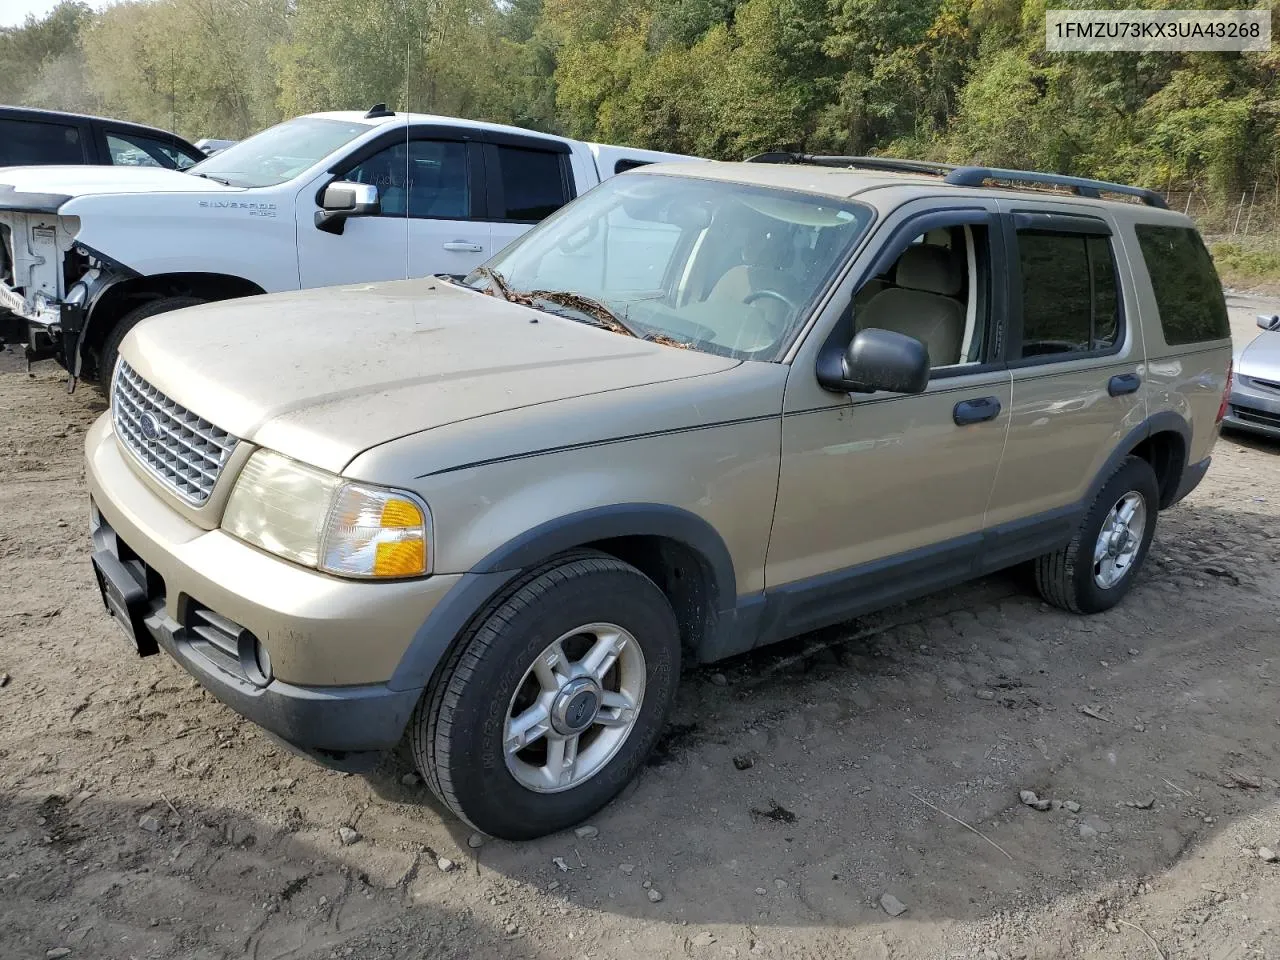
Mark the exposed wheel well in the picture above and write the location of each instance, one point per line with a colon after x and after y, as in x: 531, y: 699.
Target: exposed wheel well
x: 127, y: 295
x: 679, y: 571
x: 1166, y: 451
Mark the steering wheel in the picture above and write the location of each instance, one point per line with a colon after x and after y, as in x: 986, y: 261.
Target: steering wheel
x: 772, y: 295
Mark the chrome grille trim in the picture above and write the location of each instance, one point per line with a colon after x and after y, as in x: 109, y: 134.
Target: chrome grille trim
x: 188, y: 453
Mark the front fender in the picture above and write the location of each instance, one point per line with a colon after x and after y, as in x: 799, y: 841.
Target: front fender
x: 486, y: 580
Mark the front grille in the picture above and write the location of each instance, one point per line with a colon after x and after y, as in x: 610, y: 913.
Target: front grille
x: 183, y: 451
x: 1260, y: 417
x: 1265, y: 384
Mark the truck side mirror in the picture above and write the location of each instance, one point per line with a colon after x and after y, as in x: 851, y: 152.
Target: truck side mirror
x: 1269, y: 322
x: 877, y: 360
x: 342, y: 199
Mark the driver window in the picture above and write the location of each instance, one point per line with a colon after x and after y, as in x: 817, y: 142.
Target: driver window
x: 423, y: 178
x: 938, y: 292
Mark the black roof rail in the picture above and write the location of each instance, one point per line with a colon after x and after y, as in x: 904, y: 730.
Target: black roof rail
x: 865, y: 163
x: 1081, y: 186
x: 379, y: 110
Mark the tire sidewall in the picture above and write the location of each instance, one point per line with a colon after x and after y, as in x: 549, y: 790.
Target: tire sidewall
x: 492, y: 799
x: 115, y: 336
x: 1134, y: 476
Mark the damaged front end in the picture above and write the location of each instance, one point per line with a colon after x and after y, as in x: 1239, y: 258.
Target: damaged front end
x: 48, y: 282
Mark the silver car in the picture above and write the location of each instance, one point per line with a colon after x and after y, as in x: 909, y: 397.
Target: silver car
x: 1255, y: 389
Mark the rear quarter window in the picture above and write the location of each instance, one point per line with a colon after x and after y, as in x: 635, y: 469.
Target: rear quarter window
x: 1187, y: 290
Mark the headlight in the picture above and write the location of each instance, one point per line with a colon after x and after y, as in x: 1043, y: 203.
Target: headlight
x: 319, y: 520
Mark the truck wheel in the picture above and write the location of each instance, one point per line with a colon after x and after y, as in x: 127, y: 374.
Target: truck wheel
x: 1096, y: 569
x: 111, y: 345
x: 548, y: 705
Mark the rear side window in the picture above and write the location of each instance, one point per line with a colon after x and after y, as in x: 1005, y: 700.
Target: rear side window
x: 1070, y: 303
x: 533, y: 186
x: 25, y: 142
x: 1188, y: 292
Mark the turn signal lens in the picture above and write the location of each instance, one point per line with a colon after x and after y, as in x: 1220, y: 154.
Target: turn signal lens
x: 373, y: 532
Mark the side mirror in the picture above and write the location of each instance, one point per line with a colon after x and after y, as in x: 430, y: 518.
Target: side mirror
x: 877, y: 360
x: 1269, y: 323
x: 342, y: 199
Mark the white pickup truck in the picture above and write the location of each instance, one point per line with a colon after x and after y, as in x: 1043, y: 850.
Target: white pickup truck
x: 329, y: 198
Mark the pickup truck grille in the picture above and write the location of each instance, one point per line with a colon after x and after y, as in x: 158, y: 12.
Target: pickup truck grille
x: 183, y: 451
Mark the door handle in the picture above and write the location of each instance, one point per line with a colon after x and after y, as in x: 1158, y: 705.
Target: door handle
x: 1123, y: 383
x: 462, y: 246
x: 976, y: 410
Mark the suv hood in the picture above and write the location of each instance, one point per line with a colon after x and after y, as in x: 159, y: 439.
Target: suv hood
x: 67, y: 183
x: 321, y: 375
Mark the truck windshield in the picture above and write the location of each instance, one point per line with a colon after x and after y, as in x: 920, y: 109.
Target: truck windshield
x: 707, y: 265
x: 278, y: 153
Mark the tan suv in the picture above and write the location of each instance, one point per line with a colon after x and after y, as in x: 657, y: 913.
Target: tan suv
x: 700, y: 409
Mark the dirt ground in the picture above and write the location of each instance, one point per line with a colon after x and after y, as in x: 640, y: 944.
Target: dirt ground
x: 139, y: 818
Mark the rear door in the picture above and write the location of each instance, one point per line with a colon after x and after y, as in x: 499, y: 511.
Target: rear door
x: 26, y: 142
x: 528, y: 179
x: 1076, y: 354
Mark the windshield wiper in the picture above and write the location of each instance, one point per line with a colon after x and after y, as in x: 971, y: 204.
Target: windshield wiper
x: 593, y: 309
x: 210, y: 176
x: 597, y: 313
x: 498, y: 282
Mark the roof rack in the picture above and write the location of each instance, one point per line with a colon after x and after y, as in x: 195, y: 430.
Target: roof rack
x: 1081, y: 186
x: 969, y: 176
x: 865, y: 163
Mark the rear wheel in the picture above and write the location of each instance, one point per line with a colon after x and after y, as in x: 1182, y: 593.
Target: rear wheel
x: 110, y: 351
x: 1096, y: 569
x: 549, y: 705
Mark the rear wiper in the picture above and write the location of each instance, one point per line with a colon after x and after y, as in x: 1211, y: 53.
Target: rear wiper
x: 593, y: 308
x: 210, y: 176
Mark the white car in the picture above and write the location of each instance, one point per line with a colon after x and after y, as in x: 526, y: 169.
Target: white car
x: 329, y: 198
x: 210, y: 146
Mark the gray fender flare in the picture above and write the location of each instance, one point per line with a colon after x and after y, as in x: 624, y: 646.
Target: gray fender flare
x: 486, y: 579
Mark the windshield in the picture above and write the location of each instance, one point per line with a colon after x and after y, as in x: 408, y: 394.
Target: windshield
x: 279, y: 153
x: 715, y: 266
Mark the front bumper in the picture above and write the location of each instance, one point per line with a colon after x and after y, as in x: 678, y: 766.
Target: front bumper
x: 334, y: 645
x: 1254, y: 407
x: 52, y: 330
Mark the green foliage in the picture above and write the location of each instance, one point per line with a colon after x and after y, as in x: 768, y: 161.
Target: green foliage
x: 40, y: 61
x: 963, y: 80
x: 196, y: 66
x: 1241, y: 265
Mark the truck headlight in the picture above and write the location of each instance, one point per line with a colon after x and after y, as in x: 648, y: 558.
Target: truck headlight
x: 319, y: 520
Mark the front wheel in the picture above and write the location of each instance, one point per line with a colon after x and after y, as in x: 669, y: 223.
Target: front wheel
x: 550, y: 704
x: 1096, y: 569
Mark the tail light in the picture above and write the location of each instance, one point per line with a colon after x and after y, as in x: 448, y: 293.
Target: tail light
x: 1226, y: 393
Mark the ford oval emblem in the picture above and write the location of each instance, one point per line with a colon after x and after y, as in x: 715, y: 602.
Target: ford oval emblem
x: 150, y: 429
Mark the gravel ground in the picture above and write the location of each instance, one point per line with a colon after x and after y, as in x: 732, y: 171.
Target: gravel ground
x: 853, y: 793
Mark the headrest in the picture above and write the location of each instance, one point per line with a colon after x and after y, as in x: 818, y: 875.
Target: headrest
x: 929, y: 268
